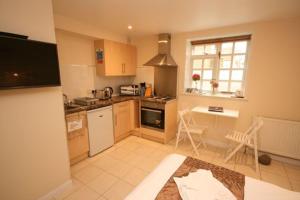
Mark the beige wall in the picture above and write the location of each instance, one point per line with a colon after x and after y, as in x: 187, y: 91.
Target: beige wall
x: 69, y: 24
x: 272, y: 85
x: 33, y: 150
x: 77, y: 66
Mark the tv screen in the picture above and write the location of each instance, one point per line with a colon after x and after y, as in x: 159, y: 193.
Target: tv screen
x: 27, y: 63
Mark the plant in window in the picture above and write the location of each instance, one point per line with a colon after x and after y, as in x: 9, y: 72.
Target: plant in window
x: 214, y: 85
x: 196, y: 79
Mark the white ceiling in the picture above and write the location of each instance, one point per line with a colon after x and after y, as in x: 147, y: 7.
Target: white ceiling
x: 156, y: 16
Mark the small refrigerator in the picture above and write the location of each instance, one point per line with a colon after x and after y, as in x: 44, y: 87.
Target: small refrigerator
x: 100, y: 126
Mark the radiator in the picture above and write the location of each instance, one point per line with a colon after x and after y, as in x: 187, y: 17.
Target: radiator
x: 280, y: 137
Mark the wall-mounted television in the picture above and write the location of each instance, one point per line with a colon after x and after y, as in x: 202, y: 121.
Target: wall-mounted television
x: 27, y: 63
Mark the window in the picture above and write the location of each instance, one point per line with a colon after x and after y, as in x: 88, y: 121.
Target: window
x: 222, y: 59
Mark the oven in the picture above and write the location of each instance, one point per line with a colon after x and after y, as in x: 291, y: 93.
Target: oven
x: 153, y: 115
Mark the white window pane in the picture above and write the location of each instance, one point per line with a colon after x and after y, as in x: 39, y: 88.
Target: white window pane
x: 210, y: 49
x: 224, y: 75
x: 239, y: 61
x: 197, y: 71
x: 225, y: 61
x: 209, y: 63
x: 237, y: 75
x: 226, y: 48
x: 198, y: 50
x: 234, y: 86
x: 240, y: 47
x: 197, y: 63
x: 223, y: 86
x: 206, y: 85
x: 207, y: 74
x: 196, y: 84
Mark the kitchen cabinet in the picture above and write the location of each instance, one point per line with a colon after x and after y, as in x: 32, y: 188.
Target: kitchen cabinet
x: 77, y: 134
x: 115, y: 58
x: 122, y: 120
x: 134, y: 114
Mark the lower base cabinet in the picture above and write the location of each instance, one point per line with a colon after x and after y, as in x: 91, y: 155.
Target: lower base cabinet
x: 77, y: 134
x: 126, y: 118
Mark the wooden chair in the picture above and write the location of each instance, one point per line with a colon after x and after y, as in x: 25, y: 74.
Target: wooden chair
x: 187, y: 127
x: 248, y: 138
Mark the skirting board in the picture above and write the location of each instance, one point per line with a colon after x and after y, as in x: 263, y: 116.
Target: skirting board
x: 60, y: 189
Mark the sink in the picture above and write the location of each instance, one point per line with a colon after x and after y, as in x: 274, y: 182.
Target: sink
x: 71, y: 106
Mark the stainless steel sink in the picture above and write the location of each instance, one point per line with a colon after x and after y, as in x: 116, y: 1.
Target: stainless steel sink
x: 71, y: 106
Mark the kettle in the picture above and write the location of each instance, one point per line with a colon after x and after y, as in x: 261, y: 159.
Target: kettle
x: 108, y: 91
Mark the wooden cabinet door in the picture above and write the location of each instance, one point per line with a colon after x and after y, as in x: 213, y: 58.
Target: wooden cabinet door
x: 134, y: 114
x: 113, y: 58
x: 130, y: 57
x: 78, y: 141
x: 119, y: 58
x: 122, y: 120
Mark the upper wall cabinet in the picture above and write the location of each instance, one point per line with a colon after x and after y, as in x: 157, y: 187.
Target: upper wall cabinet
x: 115, y: 58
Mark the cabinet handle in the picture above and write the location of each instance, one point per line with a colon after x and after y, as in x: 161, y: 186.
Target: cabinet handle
x: 100, y: 115
x: 116, y: 120
x: 124, y: 68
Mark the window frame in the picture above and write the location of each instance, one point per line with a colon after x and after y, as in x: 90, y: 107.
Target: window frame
x: 217, y: 68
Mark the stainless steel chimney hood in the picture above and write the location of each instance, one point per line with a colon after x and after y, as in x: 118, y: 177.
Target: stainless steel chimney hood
x: 164, y: 58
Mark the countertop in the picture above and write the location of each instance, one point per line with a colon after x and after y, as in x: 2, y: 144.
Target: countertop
x: 102, y: 103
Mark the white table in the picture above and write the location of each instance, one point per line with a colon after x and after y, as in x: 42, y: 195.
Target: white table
x: 226, y: 113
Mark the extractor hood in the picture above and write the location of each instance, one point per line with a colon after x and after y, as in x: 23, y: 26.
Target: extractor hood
x: 163, y: 58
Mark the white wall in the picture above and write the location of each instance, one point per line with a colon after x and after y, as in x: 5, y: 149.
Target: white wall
x: 33, y: 149
x: 75, y: 26
x: 77, y: 66
x: 272, y: 87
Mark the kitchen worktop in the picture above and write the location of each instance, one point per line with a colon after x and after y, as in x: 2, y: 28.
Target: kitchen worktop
x: 115, y: 99
x: 101, y: 103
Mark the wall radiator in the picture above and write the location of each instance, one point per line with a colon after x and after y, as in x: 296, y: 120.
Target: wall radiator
x: 280, y: 137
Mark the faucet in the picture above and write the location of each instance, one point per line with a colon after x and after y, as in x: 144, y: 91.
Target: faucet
x: 66, y: 100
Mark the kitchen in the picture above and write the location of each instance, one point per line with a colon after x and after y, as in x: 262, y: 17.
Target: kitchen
x: 104, y: 104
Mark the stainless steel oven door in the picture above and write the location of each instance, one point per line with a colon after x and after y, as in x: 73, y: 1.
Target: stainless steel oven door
x: 154, y: 118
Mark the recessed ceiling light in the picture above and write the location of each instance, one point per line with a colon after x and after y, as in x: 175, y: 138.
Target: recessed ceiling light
x: 129, y: 27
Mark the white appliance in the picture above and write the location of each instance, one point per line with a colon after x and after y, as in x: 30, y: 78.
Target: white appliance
x: 100, y: 123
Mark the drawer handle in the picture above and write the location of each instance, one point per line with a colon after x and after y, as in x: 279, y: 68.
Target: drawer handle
x: 100, y: 115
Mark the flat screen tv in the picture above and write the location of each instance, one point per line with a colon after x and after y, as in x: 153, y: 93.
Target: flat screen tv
x: 27, y: 63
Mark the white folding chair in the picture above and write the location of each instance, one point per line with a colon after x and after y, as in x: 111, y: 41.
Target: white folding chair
x: 248, y: 138
x: 188, y: 127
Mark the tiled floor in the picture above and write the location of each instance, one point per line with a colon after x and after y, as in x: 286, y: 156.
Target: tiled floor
x: 112, y: 174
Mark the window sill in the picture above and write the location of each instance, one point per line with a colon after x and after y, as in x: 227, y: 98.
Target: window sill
x: 217, y: 95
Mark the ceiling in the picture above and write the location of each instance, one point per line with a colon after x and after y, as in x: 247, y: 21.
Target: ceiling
x: 156, y: 16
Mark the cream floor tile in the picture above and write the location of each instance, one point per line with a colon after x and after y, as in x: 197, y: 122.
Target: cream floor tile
x: 106, y: 162
x: 130, y: 146
x: 118, y: 191
x: 275, y: 167
x: 76, y: 185
x: 87, y: 174
x: 295, y: 185
x: 118, y: 153
x: 102, y: 183
x: 276, y: 179
x: 78, y: 166
x: 135, y: 176
x: 83, y: 194
x: 247, y: 170
x: 132, y: 158
x: 147, y: 164
x: 158, y: 154
x: 119, y: 169
x: 292, y: 171
x: 167, y: 148
x: 144, y: 150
